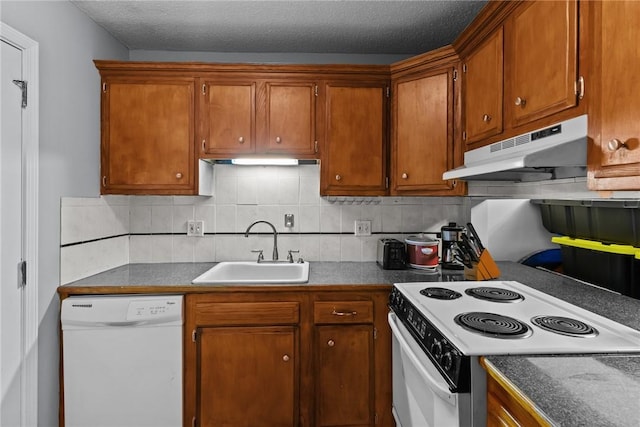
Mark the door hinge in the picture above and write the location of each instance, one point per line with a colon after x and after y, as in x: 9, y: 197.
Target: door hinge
x: 455, y: 75
x: 464, y: 68
x: 104, y: 87
x: 579, y: 87
x: 22, y: 266
x: 22, y: 84
x: 194, y: 335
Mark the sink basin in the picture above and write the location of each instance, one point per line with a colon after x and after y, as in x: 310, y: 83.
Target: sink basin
x: 230, y: 272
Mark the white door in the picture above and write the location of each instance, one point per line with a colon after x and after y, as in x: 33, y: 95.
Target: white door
x: 11, y: 237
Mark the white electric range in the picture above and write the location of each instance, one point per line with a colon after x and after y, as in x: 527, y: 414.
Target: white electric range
x: 441, y: 329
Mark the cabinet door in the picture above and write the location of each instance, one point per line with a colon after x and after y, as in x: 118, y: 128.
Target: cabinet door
x: 541, y: 59
x: 247, y: 376
x: 355, y: 129
x: 617, y: 106
x: 344, y: 376
x: 290, y: 118
x: 228, y: 118
x: 147, y: 136
x: 423, y: 133
x: 482, y: 86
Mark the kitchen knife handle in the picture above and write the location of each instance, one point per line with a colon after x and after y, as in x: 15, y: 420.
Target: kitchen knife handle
x: 475, y: 236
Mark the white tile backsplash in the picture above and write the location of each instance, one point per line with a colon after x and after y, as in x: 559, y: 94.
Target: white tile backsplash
x: 154, y: 227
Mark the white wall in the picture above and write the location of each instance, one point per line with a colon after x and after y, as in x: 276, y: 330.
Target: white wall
x: 264, y: 58
x: 69, y: 148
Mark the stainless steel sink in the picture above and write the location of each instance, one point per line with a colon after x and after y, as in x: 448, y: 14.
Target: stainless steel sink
x: 231, y: 272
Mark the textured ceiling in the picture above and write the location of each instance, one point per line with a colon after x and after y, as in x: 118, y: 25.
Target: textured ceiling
x: 347, y: 26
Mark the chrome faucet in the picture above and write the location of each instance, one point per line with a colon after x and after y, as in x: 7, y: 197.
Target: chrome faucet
x: 275, y: 237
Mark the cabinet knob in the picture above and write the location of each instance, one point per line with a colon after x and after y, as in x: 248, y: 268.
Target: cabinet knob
x: 338, y: 177
x: 405, y: 176
x: 331, y: 343
x: 521, y: 102
x: 487, y: 118
x: 179, y: 175
x: 615, y: 144
x: 278, y: 140
x: 286, y: 358
x: 241, y: 140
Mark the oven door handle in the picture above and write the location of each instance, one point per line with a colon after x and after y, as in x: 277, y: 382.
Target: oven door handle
x: 444, y: 392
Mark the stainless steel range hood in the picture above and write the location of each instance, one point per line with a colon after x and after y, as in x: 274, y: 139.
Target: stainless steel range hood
x: 558, y: 151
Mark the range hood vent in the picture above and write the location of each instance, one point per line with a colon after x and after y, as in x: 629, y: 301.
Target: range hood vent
x: 558, y: 151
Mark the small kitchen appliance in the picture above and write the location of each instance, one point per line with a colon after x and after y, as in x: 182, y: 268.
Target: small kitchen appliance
x: 422, y: 252
x: 440, y: 330
x: 451, y: 237
x: 391, y: 254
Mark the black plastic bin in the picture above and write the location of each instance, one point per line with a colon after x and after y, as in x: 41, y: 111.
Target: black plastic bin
x: 611, y: 266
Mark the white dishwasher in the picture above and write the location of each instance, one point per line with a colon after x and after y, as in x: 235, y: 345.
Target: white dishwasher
x: 122, y: 360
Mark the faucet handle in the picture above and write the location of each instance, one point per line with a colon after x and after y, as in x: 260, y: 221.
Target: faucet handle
x: 260, y: 255
x: 290, y: 256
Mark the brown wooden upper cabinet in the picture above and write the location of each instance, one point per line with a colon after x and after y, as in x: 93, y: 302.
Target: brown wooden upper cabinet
x: 354, y: 134
x: 541, y: 61
x: 256, y: 117
x: 614, y: 159
x: 147, y: 135
x: 422, y: 143
x: 482, y: 83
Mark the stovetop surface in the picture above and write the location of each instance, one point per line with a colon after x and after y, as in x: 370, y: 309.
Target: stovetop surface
x: 611, y: 336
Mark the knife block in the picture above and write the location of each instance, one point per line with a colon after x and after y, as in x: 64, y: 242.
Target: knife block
x: 485, y: 269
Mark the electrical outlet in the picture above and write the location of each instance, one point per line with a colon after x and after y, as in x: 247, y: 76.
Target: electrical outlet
x: 363, y: 227
x: 195, y: 228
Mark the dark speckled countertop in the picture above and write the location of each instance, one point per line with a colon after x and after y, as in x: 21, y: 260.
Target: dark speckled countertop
x: 579, y: 390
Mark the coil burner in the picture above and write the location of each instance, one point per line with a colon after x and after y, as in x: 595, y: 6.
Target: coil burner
x: 565, y: 326
x: 493, y: 325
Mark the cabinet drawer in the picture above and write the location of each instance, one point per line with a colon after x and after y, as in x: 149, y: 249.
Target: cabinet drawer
x: 247, y: 313
x: 343, y: 312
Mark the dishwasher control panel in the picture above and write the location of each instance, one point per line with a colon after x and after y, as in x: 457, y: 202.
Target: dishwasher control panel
x: 155, y: 308
x: 121, y: 310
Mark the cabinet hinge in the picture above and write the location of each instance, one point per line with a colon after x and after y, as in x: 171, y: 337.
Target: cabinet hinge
x: 388, y: 92
x: 194, y: 335
x: 315, y: 90
x: 455, y: 75
x: 464, y: 68
x: 104, y: 87
x: 204, y: 89
x: 579, y: 87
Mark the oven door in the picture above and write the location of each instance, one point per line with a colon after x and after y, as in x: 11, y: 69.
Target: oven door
x: 421, y: 396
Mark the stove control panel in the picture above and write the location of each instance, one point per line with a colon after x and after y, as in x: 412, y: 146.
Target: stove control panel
x: 452, y: 364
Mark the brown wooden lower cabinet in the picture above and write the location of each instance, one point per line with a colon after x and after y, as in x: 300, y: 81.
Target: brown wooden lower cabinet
x: 279, y: 358
x: 506, y: 406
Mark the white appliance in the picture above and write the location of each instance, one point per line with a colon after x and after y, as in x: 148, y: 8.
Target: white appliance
x: 441, y: 329
x: 558, y: 151
x: 122, y: 360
